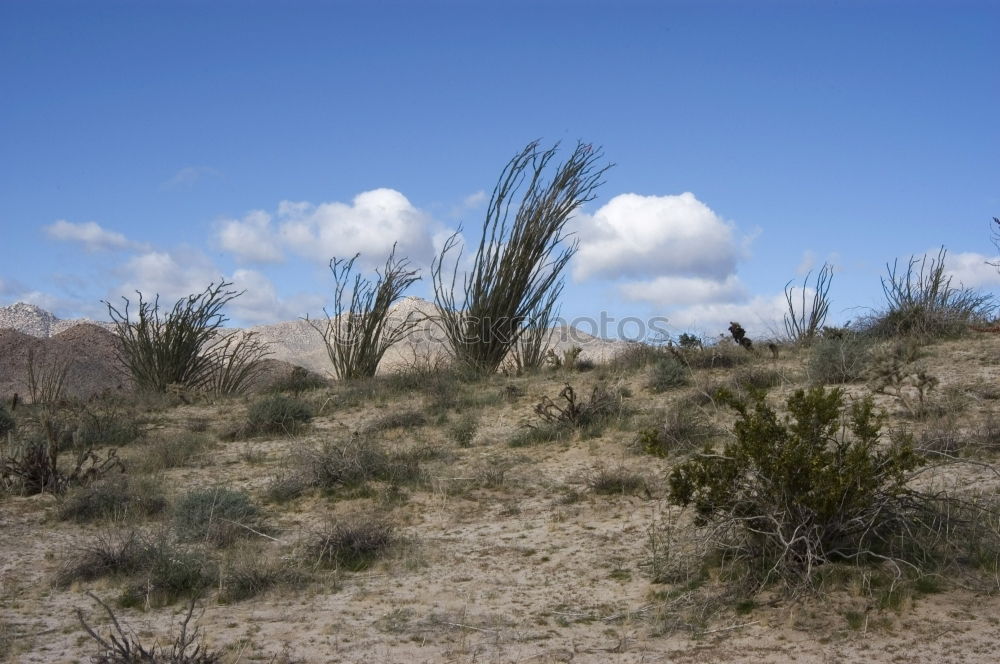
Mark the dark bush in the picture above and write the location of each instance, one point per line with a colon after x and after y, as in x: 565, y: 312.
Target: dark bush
x: 7, y: 422
x: 352, y: 545
x: 790, y: 495
x: 590, y: 416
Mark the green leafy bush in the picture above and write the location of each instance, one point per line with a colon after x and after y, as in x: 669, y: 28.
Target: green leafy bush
x: 792, y: 494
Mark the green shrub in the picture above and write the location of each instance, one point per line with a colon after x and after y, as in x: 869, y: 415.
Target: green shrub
x: 115, y: 498
x: 297, y: 381
x: 668, y: 372
x: 844, y: 358
x: 352, y: 545
x: 796, y: 493
x: 217, y: 515
x: 277, y: 414
x: 750, y: 379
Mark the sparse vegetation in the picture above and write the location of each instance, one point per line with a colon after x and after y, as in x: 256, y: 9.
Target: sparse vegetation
x: 590, y: 416
x: 616, y: 481
x: 840, y: 358
x: 803, y: 323
x: 679, y: 431
x: 172, y: 449
x: 667, y: 373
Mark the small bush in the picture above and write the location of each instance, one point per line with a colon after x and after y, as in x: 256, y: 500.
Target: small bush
x: 604, y: 405
x: 749, y: 379
x: 723, y: 355
x: 407, y: 419
x: 682, y: 430
x: 840, y: 359
x: 110, y: 424
x: 277, y: 414
x: 299, y: 380
x: 616, y: 481
x: 249, y: 574
x: 667, y: 373
x: 535, y: 434
x: 217, y: 515
x: 338, y: 465
x: 352, y: 545
x: 636, y: 355
x: 173, y: 450
x: 110, y: 554
x: 463, y: 430
x: 119, y: 498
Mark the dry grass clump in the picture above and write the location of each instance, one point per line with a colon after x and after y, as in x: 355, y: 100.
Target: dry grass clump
x: 636, y: 356
x: 617, y: 481
x: 680, y: 430
x: 220, y: 516
x: 841, y: 358
x: 667, y: 373
x: 337, y: 465
x: 249, y: 573
x: 405, y: 419
x: 463, y: 430
x: 173, y: 449
x: 116, y: 498
x: 352, y: 545
x: 274, y: 414
x: 604, y: 406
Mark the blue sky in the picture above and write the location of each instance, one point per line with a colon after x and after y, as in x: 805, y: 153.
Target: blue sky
x: 158, y: 145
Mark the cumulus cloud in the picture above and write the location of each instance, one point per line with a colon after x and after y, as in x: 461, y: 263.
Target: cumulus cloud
x: 250, y: 238
x: 671, y: 291
x: 261, y: 302
x: 971, y: 269
x: 641, y: 236
x: 90, y: 235
x: 762, y: 316
x: 368, y: 225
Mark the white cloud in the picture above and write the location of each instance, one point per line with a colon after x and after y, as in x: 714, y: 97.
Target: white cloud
x: 250, y: 238
x: 761, y: 316
x: 971, y: 269
x: 188, y: 177
x: 683, y: 291
x: 174, y: 275
x: 369, y: 225
x: 470, y: 202
x: 648, y: 236
x: 91, y: 235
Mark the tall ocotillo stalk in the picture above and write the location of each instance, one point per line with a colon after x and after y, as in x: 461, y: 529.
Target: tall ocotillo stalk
x: 802, y: 324
x: 518, y: 263
x: 360, y: 330
x: 185, y: 346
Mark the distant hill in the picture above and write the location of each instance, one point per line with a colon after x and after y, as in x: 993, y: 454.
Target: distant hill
x: 296, y: 342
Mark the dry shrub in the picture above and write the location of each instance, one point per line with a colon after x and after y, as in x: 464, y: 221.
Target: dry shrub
x: 352, y: 545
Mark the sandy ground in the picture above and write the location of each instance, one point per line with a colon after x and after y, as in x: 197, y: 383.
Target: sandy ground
x: 539, y: 569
